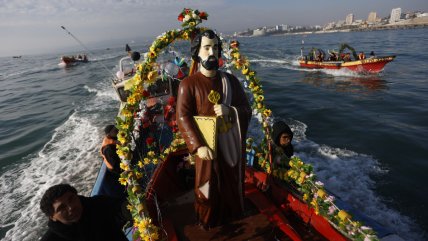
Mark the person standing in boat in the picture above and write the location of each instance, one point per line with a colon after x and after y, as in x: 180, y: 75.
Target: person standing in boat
x: 219, y: 180
x: 75, y: 217
x: 112, y: 162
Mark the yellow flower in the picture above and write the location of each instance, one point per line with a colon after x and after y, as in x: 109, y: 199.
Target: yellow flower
x: 151, y: 76
x: 155, y: 161
x: 140, y: 208
x: 303, y: 174
x: 123, y: 181
x: 236, y: 55
x: 191, y: 24
x: 151, y: 153
x: 129, y: 207
x: 146, y: 161
x: 140, y: 164
x: 343, y: 215
x: 154, y: 235
x: 120, y: 152
x: 321, y: 193
x: 136, y: 189
x: 125, y: 126
x: 245, y: 70
x: 260, y: 98
x: 138, y: 175
x: 144, y: 224
x: 305, y: 196
x: 259, y: 105
x: 126, y: 113
x: 185, y: 36
x: 267, y: 112
x: 124, y: 167
x: 131, y: 100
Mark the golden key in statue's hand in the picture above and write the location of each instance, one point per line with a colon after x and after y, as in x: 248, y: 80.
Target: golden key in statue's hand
x: 214, y: 97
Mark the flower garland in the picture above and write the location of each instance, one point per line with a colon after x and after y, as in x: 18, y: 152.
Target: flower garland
x: 301, y: 174
x: 146, y: 75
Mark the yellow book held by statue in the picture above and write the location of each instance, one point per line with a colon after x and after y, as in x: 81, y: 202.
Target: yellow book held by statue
x: 207, y: 126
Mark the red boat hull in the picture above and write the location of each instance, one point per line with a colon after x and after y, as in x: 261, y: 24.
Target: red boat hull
x: 370, y: 65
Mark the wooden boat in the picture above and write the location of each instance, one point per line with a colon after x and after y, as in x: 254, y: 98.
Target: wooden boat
x: 160, y: 179
x: 316, y: 59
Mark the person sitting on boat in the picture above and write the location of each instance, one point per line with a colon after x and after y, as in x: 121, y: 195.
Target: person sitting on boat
x: 219, y: 180
x: 112, y: 162
x: 75, y: 217
x: 320, y: 56
x: 282, y: 149
x: 372, y: 54
x: 332, y: 56
x: 347, y: 57
x: 361, y: 56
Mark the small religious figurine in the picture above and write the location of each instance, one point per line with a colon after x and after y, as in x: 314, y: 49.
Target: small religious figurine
x: 219, y: 181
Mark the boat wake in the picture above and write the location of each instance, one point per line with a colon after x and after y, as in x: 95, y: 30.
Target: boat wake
x: 70, y: 156
x: 348, y: 176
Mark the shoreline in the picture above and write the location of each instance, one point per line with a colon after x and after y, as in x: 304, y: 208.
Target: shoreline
x: 359, y: 29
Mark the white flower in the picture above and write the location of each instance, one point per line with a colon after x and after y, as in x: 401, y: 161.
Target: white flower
x: 319, y: 184
x: 195, y: 16
x: 330, y: 198
x: 186, y: 18
x: 331, y: 210
x: 365, y: 228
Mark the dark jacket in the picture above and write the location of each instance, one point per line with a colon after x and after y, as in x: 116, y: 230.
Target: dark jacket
x: 102, y: 219
x: 278, y: 128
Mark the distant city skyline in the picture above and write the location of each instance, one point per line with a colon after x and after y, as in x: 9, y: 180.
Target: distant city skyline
x: 33, y: 27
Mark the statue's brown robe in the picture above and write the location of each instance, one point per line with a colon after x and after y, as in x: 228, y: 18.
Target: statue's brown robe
x: 225, y: 200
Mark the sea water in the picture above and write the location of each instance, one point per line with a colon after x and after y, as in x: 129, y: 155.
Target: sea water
x: 365, y: 135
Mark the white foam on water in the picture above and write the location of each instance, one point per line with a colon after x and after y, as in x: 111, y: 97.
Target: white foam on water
x: 348, y: 175
x: 71, y: 156
x: 104, y: 92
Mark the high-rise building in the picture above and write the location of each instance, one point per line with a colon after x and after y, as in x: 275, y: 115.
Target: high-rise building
x: 372, y: 17
x: 349, y: 19
x: 395, y: 15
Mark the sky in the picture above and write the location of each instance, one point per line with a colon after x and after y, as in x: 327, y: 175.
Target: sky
x: 33, y: 26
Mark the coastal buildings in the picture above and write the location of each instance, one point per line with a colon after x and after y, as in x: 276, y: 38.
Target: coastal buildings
x: 395, y: 15
x: 349, y: 19
x: 372, y: 17
x: 397, y: 19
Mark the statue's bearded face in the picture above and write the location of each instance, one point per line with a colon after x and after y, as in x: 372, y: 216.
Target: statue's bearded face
x: 208, y: 53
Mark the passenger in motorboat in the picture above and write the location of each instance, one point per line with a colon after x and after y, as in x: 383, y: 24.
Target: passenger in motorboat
x: 75, y: 217
x: 112, y: 162
x: 332, y: 56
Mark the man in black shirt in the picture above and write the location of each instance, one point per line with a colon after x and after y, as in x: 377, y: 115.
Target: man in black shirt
x: 74, y: 217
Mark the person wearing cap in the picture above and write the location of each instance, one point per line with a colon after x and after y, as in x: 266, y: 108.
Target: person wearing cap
x: 75, y: 217
x: 112, y: 162
x: 281, y: 147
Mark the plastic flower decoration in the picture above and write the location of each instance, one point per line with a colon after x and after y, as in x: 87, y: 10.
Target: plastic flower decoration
x: 191, y: 18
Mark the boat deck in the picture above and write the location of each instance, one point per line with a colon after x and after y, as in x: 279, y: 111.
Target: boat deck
x: 258, y: 223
